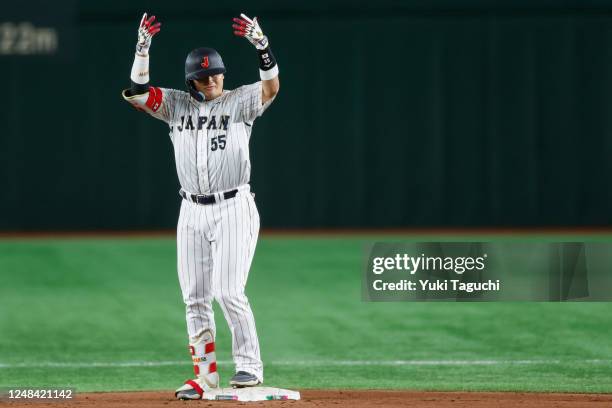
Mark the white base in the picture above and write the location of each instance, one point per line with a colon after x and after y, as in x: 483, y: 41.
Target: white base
x: 250, y: 394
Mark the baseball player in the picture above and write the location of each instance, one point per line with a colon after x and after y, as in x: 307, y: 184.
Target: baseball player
x: 218, y: 225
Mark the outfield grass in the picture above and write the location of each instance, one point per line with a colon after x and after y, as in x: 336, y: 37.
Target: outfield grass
x: 89, y: 313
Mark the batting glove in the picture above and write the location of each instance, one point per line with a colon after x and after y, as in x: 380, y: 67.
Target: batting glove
x: 249, y: 29
x: 146, y: 32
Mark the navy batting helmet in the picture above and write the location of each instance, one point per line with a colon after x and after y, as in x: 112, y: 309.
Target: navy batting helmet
x: 200, y: 63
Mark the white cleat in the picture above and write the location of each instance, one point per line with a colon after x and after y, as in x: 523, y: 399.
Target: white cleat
x: 195, y: 389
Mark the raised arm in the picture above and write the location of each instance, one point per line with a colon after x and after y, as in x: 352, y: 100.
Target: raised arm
x: 268, y: 68
x: 158, y: 102
x: 140, y: 69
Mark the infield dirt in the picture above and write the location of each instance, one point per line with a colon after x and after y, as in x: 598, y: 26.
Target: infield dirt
x: 341, y: 399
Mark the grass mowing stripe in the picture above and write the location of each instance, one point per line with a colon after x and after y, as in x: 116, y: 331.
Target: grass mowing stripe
x: 313, y: 363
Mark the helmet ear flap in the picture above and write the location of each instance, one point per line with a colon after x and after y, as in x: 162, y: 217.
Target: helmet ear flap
x: 195, y: 94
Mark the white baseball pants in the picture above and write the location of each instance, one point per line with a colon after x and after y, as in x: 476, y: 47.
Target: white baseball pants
x: 215, y: 247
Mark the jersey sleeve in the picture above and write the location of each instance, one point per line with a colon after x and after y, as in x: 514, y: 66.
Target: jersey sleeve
x: 158, y: 102
x: 248, y: 99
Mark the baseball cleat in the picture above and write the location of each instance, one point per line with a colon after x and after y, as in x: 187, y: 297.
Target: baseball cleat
x: 243, y: 379
x: 191, y: 390
x: 188, y: 395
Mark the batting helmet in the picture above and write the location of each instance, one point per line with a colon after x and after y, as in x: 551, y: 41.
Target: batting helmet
x: 200, y: 63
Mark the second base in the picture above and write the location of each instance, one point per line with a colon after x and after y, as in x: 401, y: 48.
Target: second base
x: 251, y: 394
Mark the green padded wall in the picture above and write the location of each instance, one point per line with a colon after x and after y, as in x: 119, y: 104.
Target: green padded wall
x: 389, y: 115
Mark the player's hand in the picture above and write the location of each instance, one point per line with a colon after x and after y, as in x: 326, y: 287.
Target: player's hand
x: 249, y: 29
x: 147, y: 30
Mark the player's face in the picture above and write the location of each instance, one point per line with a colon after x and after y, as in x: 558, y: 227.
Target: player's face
x: 211, y: 86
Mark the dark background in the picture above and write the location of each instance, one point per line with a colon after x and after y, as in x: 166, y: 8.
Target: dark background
x: 391, y: 114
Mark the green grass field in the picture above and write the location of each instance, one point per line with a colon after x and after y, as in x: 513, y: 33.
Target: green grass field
x: 106, y: 314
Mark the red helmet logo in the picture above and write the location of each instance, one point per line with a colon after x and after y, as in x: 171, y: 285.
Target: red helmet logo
x: 205, y: 63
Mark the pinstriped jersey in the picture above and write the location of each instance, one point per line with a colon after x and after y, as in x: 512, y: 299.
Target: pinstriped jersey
x: 210, y: 138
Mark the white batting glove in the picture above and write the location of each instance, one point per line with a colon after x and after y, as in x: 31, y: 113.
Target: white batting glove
x: 249, y: 29
x: 146, y: 32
